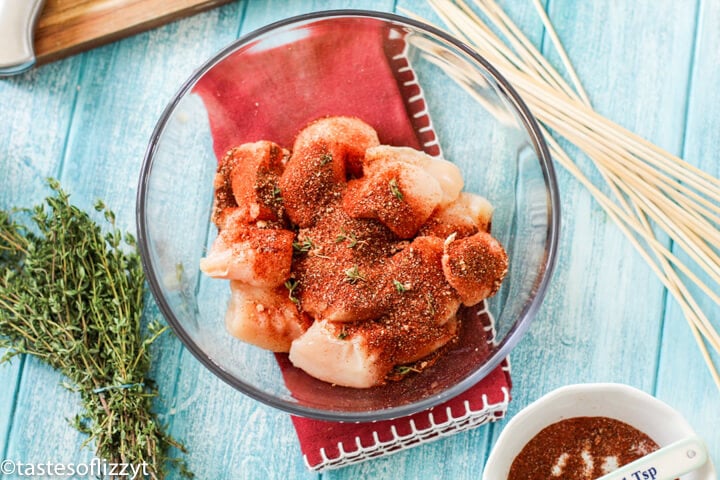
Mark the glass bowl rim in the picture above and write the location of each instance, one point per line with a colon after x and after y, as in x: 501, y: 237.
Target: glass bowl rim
x: 512, y: 337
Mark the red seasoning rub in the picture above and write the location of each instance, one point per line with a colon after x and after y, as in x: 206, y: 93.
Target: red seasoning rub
x: 474, y: 266
x: 323, y: 155
x: 247, y: 183
x: 400, y: 195
x: 351, y: 256
x: 580, y: 448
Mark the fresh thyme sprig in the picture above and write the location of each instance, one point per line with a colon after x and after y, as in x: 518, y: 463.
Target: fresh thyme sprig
x: 353, y: 275
x: 291, y: 285
x: 304, y: 246
x: 72, y: 296
x: 395, y: 189
x: 399, y: 286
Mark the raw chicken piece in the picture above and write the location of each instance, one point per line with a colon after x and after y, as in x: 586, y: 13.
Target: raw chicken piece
x: 400, y: 195
x: 447, y: 174
x: 362, y: 354
x: 338, y: 243
x: 467, y: 215
x: 475, y: 266
x: 418, y: 317
x: 324, y: 352
x: 418, y: 283
x: 265, y: 317
x: 317, y: 171
x: 351, y: 135
x: 256, y: 256
x: 255, y: 172
x: 428, y: 342
x: 246, y: 181
x: 334, y: 295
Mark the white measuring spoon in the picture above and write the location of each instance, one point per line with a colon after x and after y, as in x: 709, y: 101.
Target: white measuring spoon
x: 666, y: 463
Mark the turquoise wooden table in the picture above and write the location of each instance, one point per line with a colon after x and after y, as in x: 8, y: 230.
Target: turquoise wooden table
x: 653, y: 67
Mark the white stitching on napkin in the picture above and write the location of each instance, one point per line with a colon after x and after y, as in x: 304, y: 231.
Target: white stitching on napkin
x: 469, y: 419
x: 406, y: 69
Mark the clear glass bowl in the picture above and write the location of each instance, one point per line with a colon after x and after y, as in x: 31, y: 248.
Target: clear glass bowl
x: 481, y: 125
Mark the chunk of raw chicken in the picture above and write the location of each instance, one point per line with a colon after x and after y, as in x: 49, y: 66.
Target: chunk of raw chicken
x: 362, y: 354
x: 400, y: 195
x: 317, y: 170
x: 417, y: 318
x: 247, y: 182
x: 475, y: 266
x: 256, y: 256
x: 265, y: 317
x: 467, y: 215
x: 338, y: 291
x: 325, y: 352
x: 350, y: 135
x: 337, y: 244
x: 417, y: 280
x: 447, y: 174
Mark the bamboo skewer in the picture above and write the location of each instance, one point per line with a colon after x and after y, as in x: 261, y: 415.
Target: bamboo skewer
x: 648, y: 183
x: 696, y: 319
x: 550, y: 29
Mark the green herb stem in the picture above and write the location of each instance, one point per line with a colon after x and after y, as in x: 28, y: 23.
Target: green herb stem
x: 72, y: 295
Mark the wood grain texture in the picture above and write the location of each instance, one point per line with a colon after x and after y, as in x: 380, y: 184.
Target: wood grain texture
x: 603, y: 316
x: 683, y: 380
x: 67, y: 27
x: 606, y: 318
x: 36, y: 111
x: 100, y: 157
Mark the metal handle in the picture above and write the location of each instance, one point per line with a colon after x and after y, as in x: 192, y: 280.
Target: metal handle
x: 17, y: 25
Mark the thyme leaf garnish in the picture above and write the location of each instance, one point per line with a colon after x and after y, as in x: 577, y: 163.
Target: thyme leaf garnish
x: 399, y: 286
x: 395, y: 189
x: 325, y: 158
x: 277, y: 194
x: 305, y: 245
x: 353, y: 275
x: 291, y: 285
x: 350, y: 237
x: 404, y: 369
x: 431, y: 303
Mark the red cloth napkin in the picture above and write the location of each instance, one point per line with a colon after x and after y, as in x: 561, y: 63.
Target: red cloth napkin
x: 270, y: 93
x: 327, y: 445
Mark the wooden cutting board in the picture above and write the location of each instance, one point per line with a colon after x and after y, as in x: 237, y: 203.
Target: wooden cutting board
x: 66, y: 27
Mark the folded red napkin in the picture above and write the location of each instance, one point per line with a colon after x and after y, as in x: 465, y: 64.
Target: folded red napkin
x: 270, y: 93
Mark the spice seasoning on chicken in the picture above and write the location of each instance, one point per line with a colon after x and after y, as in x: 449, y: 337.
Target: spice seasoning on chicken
x: 580, y: 448
x: 344, y: 253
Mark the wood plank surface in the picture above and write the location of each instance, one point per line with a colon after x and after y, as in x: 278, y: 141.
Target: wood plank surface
x: 590, y: 319
x: 683, y: 381
x: 650, y: 66
x: 67, y: 27
x: 36, y: 116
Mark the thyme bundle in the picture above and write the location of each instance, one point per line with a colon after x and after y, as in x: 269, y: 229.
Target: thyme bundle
x: 72, y: 296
